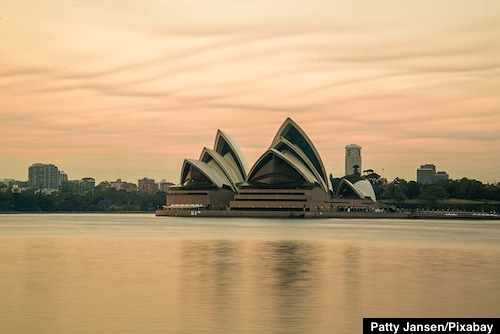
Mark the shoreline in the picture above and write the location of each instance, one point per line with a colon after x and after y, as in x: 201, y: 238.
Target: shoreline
x: 71, y: 212
x: 325, y: 215
x: 444, y: 215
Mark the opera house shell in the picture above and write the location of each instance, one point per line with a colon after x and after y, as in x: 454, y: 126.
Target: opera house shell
x: 289, y: 178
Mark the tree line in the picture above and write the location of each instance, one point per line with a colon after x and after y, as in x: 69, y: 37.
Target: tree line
x: 463, y: 194
x: 98, y: 201
x: 464, y: 188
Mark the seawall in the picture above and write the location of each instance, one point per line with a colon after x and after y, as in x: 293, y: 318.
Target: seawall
x: 278, y: 214
x: 346, y: 215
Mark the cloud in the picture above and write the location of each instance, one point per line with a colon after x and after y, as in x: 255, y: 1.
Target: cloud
x: 157, y: 81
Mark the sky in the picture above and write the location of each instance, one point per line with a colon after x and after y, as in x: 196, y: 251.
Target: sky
x: 129, y: 89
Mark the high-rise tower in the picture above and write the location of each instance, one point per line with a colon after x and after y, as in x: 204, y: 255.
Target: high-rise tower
x: 46, y: 176
x: 352, y: 158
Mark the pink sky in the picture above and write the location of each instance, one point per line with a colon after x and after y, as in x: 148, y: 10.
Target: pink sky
x: 128, y: 89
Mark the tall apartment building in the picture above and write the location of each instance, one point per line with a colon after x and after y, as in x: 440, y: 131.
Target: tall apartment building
x: 44, y: 176
x: 427, y: 174
x: 352, y: 158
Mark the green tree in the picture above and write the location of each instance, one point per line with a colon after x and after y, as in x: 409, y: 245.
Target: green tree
x: 6, y: 201
x: 492, y: 192
x: 356, y: 170
x: 413, y: 189
x: 432, y: 193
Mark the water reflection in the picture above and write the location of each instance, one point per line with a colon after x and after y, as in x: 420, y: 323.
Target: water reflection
x: 210, y: 275
x: 295, y: 276
x: 352, y: 290
x: 292, y: 263
x: 181, y: 285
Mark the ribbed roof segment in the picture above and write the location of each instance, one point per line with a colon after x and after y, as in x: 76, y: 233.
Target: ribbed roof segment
x: 294, y: 134
x: 275, y: 168
x: 284, y: 145
x: 362, y: 189
x: 222, y: 167
x: 196, y: 173
x: 230, y: 170
x: 226, y: 147
x: 366, y: 188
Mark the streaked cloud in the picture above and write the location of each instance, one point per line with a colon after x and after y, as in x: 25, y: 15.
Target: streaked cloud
x: 128, y: 88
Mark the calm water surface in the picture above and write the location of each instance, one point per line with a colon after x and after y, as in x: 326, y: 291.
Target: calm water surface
x: 117, y: 273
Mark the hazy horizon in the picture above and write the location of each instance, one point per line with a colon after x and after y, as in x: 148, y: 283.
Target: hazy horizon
x: 122, y: 89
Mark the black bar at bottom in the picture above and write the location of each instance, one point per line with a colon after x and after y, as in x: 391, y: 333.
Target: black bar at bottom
x: 431, y: 325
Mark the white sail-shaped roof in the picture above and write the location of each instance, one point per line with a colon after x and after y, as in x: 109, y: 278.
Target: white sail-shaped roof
x: 208, y: 156
x: 362, y: 188
x: 216, y: 177
x: 293, y: 133
x: 366, y: 188
x: 266, y: 167
x: 291, y: 161
x: 284, y: 145
x: 227, y: 148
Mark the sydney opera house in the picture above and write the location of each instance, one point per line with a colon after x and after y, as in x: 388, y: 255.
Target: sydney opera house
x: 288, y: 180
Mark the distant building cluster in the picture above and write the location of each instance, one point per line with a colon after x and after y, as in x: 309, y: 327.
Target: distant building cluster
x: 83, y: 186
x: 47, y: 178
x: 427, y: 174
x: 13, y: 185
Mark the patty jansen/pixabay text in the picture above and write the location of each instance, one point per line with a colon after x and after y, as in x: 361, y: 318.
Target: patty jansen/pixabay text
x: 449, y: 326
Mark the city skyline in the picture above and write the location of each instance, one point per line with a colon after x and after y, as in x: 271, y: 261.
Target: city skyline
x: 127, y: 90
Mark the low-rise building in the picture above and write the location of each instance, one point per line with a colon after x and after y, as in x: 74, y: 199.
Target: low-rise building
x: 165, y: 185
x: 147, y: 185
x: 427, y: 174
x: 123, y: 185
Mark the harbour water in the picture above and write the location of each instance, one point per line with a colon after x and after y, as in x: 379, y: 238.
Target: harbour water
x: 137, y: 273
